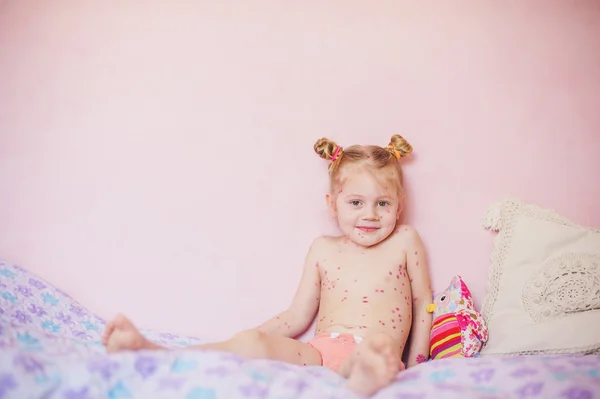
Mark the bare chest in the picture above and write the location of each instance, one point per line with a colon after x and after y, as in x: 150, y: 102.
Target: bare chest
x: 364, y: 280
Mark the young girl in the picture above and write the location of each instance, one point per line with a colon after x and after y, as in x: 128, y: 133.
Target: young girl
x: 368, y: 288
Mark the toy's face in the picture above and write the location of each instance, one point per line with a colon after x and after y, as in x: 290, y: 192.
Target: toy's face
x: 448, y: 301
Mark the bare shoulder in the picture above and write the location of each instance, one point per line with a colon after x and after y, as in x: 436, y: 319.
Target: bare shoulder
x: 416, y: 257
x: 406, y: 236
x: 322, y: 244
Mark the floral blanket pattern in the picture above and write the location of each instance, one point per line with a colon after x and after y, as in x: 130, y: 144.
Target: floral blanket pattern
x: 50, y: 348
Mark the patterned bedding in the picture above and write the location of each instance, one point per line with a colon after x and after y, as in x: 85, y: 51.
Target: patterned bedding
x: 50, y: 348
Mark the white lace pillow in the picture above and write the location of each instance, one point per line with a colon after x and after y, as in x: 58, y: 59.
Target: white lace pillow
x: 543, y: 293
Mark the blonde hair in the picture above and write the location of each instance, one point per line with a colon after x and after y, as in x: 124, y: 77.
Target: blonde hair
x: 372, y: 156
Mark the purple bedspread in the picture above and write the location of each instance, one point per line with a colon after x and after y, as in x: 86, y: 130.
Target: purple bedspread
x: 49, y: 348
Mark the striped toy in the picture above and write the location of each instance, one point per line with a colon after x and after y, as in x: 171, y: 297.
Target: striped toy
x: 458, y: 330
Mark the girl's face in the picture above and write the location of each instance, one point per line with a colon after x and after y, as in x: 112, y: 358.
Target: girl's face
x: 366, y: 209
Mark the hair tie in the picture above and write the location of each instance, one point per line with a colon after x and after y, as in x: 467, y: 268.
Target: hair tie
x: 335, y: 153
x: 396, y: 152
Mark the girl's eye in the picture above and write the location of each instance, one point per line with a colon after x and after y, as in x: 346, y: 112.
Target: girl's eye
x: 383, y: 203
x: 355, y: 203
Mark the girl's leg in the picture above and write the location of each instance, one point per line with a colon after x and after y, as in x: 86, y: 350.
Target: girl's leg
x: 373, y: 365
x: 121, y: 334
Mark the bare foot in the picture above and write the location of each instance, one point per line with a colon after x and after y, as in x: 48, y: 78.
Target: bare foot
x: 120, y: 334
x: 375, y: 367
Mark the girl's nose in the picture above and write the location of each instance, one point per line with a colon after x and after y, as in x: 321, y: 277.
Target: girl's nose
x: 371, y: 213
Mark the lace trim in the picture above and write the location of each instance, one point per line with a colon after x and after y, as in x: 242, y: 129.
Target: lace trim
x: 501, y: 217
x: 567, y: 284
x: 582, y: 350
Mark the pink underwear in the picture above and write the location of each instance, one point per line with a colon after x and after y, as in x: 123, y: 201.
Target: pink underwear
x: 334, y: 347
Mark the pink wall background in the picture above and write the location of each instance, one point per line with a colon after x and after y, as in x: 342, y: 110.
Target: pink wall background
x: 157, y: 159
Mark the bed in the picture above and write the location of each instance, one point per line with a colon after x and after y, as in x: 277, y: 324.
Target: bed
x: 50, y: 348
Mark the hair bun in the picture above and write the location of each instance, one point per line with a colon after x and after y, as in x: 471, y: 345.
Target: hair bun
x: 325, y: 148
x: 400, y: 146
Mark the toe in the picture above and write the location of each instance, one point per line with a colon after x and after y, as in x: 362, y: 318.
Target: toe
x: 122, y: 322
x: 110, y: 327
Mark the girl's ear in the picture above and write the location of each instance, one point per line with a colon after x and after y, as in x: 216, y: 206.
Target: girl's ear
x: 331, y: 205
x: 401, y: 203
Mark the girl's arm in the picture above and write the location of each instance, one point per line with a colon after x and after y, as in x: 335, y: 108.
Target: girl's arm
x: 418, y: 272
x: 305, y: 304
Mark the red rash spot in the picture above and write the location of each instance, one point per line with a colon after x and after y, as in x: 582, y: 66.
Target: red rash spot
x: 345, y: 290
x: 339, y: 267
x: 395, y: 289
x: 393, y: 311
x: 390, y: 273
x: 343, y: 299
x: 376, y: 290
x: 415, y: 252
x: 398, y: 276
x: 298, y: 353
x: 382, y: 291
x: 397, y: 308
x: 355, y: 281
x: 277, y: 317
x: 363, y: 315
x: 365, y: 301
x: 325, y: 271
x: 422, y: 321
x: 393, y: 321
x: 394, y: 327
